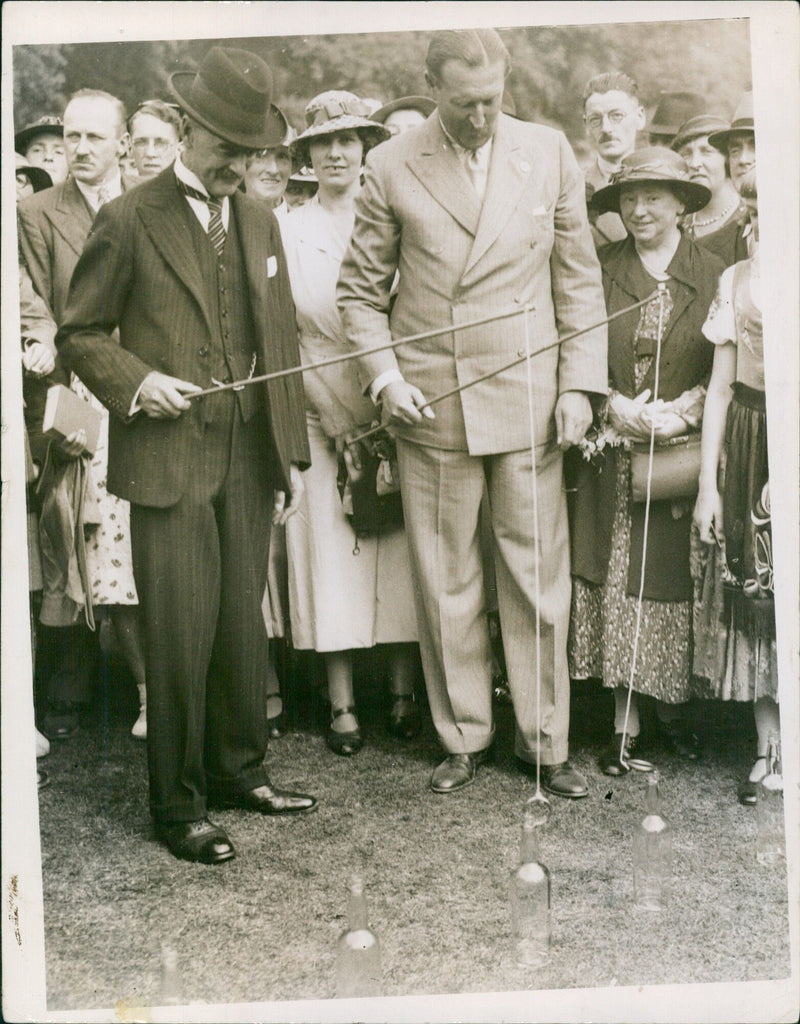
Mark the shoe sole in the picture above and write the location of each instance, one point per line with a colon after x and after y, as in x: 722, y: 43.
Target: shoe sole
x: 452, y: 789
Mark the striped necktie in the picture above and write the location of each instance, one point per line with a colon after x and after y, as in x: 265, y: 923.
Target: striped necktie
x: 216, y: 229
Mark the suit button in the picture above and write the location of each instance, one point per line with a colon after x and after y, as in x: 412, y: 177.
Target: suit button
x: 221, y: 268
x: 227, y: 334
x: 203, y: 351
x: 520, y: 352
x: 223, y: 312
x: 534, y: 243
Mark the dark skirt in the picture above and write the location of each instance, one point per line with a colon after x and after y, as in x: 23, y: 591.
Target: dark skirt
x: 746, y: 520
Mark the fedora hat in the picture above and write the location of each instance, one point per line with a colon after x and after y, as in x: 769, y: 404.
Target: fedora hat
x: 697, y: 127
x: 424, y: 104
x: 742, y: 122
x: 47, y: 125
x: 230, y: 94
x: 672, y: 109
x: 654, y: 165
x: 37, y: 176
x: 336, y: 111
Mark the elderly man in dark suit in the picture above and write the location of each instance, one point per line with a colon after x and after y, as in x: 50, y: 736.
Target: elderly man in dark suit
x: 480, y: 213
x: 193, y: 274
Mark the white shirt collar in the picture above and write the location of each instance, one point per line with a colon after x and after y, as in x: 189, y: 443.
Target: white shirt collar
x: 182, y: 173
x: 200, y: 208
x: 606, y: 169
x: 112, y: 188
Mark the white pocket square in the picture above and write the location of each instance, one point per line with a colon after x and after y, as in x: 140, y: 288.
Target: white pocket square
x: 272, y: 266
x: 539, y: 211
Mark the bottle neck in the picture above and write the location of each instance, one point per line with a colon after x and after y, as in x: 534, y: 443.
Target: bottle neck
x: 529, y: 846
x: 357, y: 911
x: 652, y: 800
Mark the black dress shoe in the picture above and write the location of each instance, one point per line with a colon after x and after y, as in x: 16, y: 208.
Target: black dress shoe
x: 558, y: 779
x: 200, y: 841
x: 457, y: 771
x: 344, y: 743
x: 276, y: 727
x: 681, y: 740
x: 404, y: 718
x: 747, y: 791
x: 612, y: 764
x: 267, y: 799
x: 61, y: 721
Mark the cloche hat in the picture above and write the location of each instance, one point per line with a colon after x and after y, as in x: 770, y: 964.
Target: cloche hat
x: 697, y: 127
x: 654, y: 165
x: 336, y: 111
x: 424, y: 104
x: 230, y: 94
x: 672, y: 109
x: 47, y: 125
x: 742, y: 122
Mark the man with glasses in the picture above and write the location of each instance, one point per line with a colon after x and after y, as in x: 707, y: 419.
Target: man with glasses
x: 612, y: 115
x: 155, y: 129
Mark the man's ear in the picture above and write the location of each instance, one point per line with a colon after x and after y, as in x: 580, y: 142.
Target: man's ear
x: 431, y: 82
x: 641, y: 119
x: 124, y: 145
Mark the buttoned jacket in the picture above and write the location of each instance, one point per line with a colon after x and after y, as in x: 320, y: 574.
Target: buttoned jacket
x: 139, y: 272
x: 527, y: 244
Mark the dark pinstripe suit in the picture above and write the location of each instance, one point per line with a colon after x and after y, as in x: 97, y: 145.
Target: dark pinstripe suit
x: 200, y: 487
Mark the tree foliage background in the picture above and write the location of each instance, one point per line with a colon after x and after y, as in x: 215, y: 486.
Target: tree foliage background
x: 550, y: 67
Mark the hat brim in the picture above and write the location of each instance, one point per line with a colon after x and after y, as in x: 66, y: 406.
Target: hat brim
x: 424, y: 104
x: 606, y: 200
x: 37, y: 176
x: 721, y: 140
x: 370, y: 131
x: 273, y: 134
x: 23, y: 139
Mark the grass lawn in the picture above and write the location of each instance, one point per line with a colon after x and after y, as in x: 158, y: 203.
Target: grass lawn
x: 264, y: 927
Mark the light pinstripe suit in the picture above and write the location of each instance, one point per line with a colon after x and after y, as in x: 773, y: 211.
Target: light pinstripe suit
x: 528, y: 243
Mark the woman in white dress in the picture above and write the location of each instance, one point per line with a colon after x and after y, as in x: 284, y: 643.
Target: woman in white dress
x: 344, y: 592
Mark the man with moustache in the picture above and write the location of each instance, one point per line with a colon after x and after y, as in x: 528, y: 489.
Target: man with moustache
x: 612, y: 115
x: 53, y: 227
x: 193, y: 274
x: 480, y: 212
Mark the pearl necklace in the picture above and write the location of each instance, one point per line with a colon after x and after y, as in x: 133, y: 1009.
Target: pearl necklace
x: 696, y: 223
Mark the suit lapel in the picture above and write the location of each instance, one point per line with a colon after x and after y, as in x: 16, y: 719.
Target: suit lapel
x: 70, y: 216
x: 438, y: 168
x: 508, y: 174
x: 164, y: 219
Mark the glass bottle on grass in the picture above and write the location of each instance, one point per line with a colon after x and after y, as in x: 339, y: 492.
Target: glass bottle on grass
x: 358, y: 955
x: 770, y: 840
x: 530, y: 897
x: 652, y: 852
x: 171, y: 976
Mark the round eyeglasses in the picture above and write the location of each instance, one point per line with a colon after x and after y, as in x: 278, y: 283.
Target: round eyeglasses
x: 614, y: 117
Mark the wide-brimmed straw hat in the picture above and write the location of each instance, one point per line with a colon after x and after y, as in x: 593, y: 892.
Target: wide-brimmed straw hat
x: 230, y: 94
x: 672, y: 109
x: 37, y: 176
x: 336, y: 111
x: 697, y: 127
x: 47, y: 125
x: 654, y: 165
x: 424, y: 104
x: 742, y: 122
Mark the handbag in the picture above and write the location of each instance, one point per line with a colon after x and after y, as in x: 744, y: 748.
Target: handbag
x: 371, y: 496
x: 676, y: 468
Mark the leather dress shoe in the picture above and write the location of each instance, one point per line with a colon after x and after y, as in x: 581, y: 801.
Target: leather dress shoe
x: 267, y: 799
x: 61, y: 721
x: 558, y: 779
x: 457, y: 771
x: 747, y: 791
x: 404, y: 717
x: 612, y: 764
x: 200, y: 841
x: 344, y: 742
x: 682, y: 740
x: 276, y: 727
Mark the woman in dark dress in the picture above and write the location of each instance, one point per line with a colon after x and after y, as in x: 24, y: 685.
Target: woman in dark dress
x: 651, y: 194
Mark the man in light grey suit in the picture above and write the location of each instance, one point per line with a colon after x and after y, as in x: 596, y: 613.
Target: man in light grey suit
x: 480, y: 212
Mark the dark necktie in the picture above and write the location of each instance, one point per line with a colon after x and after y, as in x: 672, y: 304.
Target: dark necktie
x: 216, y: 229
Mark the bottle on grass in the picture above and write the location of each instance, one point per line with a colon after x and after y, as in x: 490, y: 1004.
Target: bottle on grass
x: 530, y: 898
x: 652, y: 852
x: 358, y: 955
x: 770, y: 840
